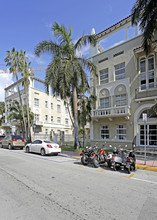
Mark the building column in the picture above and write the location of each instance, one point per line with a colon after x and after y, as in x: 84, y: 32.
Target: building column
x: 126, y: 34
x: 91, y: 130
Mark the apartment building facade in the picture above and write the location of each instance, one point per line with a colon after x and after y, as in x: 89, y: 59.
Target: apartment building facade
x: 125, y: 87
x: 51, y: 115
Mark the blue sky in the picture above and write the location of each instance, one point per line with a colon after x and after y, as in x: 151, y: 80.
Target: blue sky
x: 24, y: 23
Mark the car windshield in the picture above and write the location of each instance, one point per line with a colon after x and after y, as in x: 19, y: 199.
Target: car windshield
x: 16, y: 137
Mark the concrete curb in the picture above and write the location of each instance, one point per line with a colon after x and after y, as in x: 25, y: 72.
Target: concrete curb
x: 146, y: 167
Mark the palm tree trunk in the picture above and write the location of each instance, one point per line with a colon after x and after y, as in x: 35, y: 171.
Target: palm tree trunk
x: 75, y: 118
x: 24, y: 121
x: 27, y: 105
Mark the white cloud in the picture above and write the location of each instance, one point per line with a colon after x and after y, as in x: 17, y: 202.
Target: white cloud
x: 5, y: 81
x: 83, y: 52
x: 33, y: 58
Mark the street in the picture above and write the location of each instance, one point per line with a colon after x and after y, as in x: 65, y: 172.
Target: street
x: 59, y: 188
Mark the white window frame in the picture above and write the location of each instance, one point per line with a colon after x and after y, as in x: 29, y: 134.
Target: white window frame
x: 36, y: 102
x: 46, y: 118
x: 106, y: 132
x: 121, y: 100
x: 36, y: 117
x: 103, y: 76
x: 121, y: 132
x: 119, y: 71
x: 146, y: 73
x: 66, y: 121
x: 58, y: 108
x: 104, y: 102
x: 59, y: 120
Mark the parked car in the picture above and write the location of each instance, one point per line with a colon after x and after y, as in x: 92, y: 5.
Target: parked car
x: 12, y: 142
x: 43, y: 147
x: 1, y: 137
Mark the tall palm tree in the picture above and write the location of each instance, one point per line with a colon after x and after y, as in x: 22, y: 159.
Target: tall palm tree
x: 16, y: 113
x: 2, y: 112
x: 26, y: 74
x: 15, y: 60
x: 66, y: 71
x: 145, y: 12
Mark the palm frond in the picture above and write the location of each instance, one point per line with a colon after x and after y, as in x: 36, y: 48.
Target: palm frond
x: 83, y: 41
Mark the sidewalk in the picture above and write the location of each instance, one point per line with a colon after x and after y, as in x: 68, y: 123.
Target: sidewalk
x: 150, y: 164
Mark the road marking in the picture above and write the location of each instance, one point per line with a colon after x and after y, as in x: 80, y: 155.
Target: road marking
x: 101, y: 171
x: 81, y: 166
x: 129, y: 176
x: 147, y: 181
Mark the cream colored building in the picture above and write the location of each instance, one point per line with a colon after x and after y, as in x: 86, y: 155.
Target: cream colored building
x: 126, y: 87
x: 51, y: 116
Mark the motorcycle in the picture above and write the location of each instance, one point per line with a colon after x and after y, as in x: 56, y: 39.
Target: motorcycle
x: 88, y: 155
x: 121, y: 161
x: 100, y: 158
x: 110, y: 155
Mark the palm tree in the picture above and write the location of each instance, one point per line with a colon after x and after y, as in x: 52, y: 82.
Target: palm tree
x: 26, y: 74
x: 66, y: 70
x: 16, y: 113
x: 15, y: 60
x: 145, y: 11
x: 2, y: 112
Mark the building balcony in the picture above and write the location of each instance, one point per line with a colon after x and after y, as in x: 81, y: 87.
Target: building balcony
x: 122, y: 111
x: 147, y: 94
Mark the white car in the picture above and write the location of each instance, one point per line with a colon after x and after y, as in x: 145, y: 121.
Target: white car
x: 43, y: 147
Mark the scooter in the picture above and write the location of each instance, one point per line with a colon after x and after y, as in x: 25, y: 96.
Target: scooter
x: 88, y: 155
x: 121, y: 161
x: 110, y: 155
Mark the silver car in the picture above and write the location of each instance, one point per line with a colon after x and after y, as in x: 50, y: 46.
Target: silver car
x: 12, y: 142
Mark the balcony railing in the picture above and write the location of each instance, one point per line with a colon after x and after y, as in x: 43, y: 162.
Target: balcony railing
x: 146, y: 93
x: 111, y: 112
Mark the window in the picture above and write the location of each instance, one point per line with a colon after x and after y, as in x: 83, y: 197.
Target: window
x: 147, y: 73
x: 46, y: 104
x: 24, y: 101
x: 36, y: 102
x: 104, y: 132
x: 36, y: 117
x: 58, y: 120
x: 46, y: 117
x: 104, y: 102
x: 51, y: 105
x: 58, y: 108
x: 120, y: 71
x: 121, y: 100
x: 66, y: 121
x: 46, y: 131
x: 104, y: 76
x: 151, y: 135
x: 66, y: 110
x: 51, y: 118
x: 121, y: 132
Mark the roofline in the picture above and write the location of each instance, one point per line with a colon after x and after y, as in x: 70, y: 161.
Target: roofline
x: 108, y: 30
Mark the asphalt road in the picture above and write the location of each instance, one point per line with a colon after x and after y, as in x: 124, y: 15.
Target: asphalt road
x: 33, y: 187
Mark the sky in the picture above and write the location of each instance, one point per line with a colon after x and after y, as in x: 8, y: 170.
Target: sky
x: 25, y: 23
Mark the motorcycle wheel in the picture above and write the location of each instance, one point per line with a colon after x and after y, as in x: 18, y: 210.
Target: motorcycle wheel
x: 83, y: 160
x: 128, y: 170
x: 95, y: 162
x: 114, y: 167
x: 109, y: 164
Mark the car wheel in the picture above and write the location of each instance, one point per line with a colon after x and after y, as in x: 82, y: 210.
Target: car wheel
x: 27, y: 149
x: 9, y: 147
x: 42, y: 152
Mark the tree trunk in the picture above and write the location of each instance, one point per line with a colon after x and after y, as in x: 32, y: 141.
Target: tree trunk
x: 25, y: 136
x: 75, y: 117
x: 28, y: 115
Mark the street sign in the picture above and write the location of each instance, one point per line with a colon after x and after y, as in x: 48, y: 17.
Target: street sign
x: 144, y: 117
x: 34, y: 125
